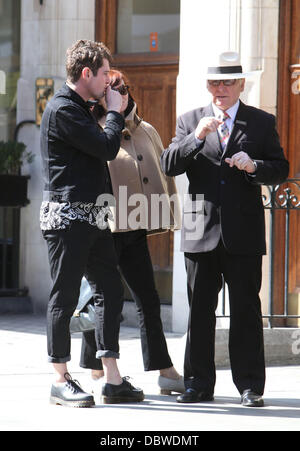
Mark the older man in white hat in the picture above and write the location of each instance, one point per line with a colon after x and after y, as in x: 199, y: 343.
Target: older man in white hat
x: 227, y: 150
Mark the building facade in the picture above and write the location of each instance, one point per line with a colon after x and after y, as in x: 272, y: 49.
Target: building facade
x: 163, y: 47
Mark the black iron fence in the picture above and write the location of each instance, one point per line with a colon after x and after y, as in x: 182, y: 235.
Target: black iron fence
x: 9, y: 251
x: 284, y: 197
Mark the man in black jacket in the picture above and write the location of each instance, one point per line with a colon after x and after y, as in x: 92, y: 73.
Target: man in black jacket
x: 227, y: 150
x: 74, y: 154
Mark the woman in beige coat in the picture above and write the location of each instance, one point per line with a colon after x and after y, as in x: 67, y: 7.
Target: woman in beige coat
x: 135, y: 177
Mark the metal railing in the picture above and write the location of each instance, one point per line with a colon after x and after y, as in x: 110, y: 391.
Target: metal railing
x: 284, y: 197
x: 9, y: 251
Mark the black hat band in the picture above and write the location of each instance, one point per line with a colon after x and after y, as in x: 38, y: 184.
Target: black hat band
x: 225, y: 70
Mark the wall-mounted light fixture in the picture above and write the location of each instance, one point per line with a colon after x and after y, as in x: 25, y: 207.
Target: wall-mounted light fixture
x: 44, y: 90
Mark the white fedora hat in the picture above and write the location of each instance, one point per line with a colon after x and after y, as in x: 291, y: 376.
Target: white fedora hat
x: 227, y: 66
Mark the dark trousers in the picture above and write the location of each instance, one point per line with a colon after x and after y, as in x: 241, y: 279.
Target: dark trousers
x: 81, y: 250
x: 242, y: 273
x: 135, y: 264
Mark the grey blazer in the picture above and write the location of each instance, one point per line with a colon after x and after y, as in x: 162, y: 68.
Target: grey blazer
x: 232, y: 208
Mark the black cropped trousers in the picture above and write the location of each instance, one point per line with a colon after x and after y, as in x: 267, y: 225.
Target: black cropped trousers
x: 83, y: 250
x: 136, y: 267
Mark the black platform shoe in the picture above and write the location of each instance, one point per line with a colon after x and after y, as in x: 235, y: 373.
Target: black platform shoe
x: 125, y: 392
x: 70, y: 394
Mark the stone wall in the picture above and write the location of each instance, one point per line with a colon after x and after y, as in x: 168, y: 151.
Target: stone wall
x: 46, y: 32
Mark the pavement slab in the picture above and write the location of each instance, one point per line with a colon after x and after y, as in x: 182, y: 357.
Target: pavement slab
x: 26, y: 377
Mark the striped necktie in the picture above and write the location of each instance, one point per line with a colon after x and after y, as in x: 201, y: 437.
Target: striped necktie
x: 223, y: 129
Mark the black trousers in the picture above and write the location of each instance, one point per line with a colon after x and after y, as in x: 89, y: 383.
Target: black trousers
x: 81, y: 250
x: 135, y: 264
x: 242, y: 273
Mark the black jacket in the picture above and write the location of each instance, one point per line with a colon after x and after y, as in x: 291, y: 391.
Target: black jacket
x: 232, y: 207
x: 74, y: 149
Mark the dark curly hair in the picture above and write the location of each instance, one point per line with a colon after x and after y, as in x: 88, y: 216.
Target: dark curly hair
x: 85, y: 53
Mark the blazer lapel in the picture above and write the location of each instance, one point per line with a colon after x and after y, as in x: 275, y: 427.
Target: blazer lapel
x: 212, y: 139
x: 240, y: 125
x: 213, y: 145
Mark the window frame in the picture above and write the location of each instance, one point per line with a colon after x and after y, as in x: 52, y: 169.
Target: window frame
x: 106, y: 26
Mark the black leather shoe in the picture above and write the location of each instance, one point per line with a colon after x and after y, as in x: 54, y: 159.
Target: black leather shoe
x: 191, y: 395
x: 125, y: 392
x: 251, y: 399
x: 70, y: 394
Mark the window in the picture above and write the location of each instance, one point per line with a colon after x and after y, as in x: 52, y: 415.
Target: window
x: 148, y: 26
x: 10, y: 12
x: 9, y: 65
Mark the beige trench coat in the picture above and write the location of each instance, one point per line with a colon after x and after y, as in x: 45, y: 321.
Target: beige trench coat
x: 144, y: 197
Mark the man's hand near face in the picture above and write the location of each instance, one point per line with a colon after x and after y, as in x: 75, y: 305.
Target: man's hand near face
x: 113, y: 100
x: 206, y: 125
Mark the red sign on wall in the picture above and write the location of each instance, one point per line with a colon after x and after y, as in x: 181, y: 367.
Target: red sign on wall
x: 153, y: 42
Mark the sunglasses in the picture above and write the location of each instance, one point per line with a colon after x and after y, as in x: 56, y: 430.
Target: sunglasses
x: 230, y: 82
x: 123, y: 89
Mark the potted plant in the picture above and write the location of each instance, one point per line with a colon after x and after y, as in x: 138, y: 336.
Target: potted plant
x: 13, y: 185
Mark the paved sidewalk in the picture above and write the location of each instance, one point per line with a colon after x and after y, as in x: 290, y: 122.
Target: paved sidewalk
x: 26, y: 376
